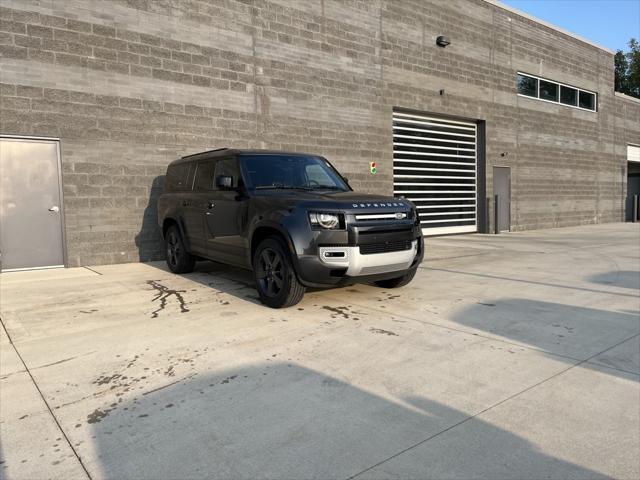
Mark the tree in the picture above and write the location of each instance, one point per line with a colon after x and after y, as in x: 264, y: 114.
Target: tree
x: 627, y: 70
x: 621, y: 67
x: 633, y: 75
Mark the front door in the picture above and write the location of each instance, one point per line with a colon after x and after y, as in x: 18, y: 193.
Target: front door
x: 502, y: 188
x: 225, y: 216
x: 31, y: 234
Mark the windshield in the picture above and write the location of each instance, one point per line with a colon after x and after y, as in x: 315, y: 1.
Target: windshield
x: 273, y: 171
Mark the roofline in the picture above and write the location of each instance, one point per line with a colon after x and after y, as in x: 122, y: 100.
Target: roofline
x: 497, y: 3
x: 624, y: 96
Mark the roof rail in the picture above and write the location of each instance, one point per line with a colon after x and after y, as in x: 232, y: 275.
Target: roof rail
x: 208, y: 151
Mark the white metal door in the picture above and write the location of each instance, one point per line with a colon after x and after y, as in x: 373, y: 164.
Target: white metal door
x: 31, y: 234
x: 434, y: 166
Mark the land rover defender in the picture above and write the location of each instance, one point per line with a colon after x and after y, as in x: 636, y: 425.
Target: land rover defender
x: 291, y: 218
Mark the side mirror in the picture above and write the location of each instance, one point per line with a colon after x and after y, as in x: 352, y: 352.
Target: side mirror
x: 224, y: 182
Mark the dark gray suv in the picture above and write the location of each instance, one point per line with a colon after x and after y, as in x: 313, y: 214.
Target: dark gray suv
x: 289, y: 217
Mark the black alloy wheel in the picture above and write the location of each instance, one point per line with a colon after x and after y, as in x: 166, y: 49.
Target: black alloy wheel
x: 178, y: 259
x: 274, y: 274
x: 269, y: 273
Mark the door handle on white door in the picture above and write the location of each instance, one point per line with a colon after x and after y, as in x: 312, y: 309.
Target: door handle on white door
x: 55, y: 208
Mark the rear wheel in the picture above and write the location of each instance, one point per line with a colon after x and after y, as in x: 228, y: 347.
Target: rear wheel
x: 397, y: 282
x: 178, y: 259
x: 276, y: 281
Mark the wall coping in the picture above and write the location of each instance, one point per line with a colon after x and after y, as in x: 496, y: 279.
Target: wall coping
x: 627, y: 97
x: 497, y: 3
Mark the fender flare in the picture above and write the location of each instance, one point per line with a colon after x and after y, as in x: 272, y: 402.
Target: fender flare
x: 282, y: 231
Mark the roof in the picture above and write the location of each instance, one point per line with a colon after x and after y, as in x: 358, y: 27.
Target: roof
x: 220, y: 152
x: 501, y: 5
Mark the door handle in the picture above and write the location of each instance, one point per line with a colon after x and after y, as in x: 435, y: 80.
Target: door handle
x: 55, y: 208
x: 186, y: 203
x: 211, y: 204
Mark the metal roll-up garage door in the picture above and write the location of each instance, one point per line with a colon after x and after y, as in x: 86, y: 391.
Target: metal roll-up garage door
x: 434, y: 165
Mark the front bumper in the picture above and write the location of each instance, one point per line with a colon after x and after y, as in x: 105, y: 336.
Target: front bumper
x: 314, y: 269
x: 358, y: 264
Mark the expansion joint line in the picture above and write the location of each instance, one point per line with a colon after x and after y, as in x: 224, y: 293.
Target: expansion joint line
x: 33, y: 380
x: 531, y: 387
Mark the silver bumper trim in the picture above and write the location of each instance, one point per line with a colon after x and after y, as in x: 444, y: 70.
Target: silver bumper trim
x: 358, y: 264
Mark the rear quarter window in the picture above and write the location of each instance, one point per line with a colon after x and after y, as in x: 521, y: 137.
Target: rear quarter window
x: 177, y: 176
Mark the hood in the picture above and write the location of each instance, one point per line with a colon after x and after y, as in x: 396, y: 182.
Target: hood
x: 331, y: 200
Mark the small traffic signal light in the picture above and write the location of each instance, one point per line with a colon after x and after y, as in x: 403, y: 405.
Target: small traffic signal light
x: 372, y: 168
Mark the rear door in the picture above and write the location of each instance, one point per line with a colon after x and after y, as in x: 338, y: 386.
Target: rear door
x: 31, y: 233
x: 225, y: 216
x: 195, y: 205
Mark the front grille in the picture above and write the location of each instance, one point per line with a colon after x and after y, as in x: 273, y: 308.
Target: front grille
x: 385, y: 247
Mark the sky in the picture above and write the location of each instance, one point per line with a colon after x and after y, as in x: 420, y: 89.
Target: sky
x: 610, y: 23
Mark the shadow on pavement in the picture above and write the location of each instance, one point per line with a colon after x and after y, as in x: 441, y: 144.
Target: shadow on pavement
x: 224, y: 278
x: 282, y: 420
x: 620, y: 278
x: 572, y: 331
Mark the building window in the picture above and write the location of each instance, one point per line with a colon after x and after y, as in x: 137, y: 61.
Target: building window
x: 527, y: 85
x: 555, y: 92
x: 568, y: 96
x: 587, y: 100
x: 548, y: 91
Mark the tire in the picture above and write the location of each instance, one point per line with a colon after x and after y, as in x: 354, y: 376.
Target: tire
x: 275, y: 278
x: 398, y: 281
x: 178, y: 259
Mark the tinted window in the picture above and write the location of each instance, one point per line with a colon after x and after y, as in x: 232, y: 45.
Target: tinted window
x: 228, y: 167
x: 527, y: 86
x: 316, y: 175
x: 548, y: 91
x: 587, y: 100
x: 290, y: 171
x: 568, y: 95
x: 177, y: 176
x: 204, y: 176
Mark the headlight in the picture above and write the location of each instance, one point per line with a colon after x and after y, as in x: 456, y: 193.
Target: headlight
x: 329, y: 221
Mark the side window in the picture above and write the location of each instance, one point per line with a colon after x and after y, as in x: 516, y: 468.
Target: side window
x: 227, y: 167
x: 176, y: 178
x: 317, y: 175
x: 204, y: 176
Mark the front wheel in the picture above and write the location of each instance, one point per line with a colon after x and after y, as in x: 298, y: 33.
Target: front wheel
x: 276, y: 281
x: 178, y: 259
x: 398, y: 281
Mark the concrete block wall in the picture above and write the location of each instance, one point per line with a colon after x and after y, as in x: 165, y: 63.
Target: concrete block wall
x: 627, y: 131
x: 129, y: 85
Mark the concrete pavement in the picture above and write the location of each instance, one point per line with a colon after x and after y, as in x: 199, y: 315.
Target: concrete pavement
x: 511, y: 356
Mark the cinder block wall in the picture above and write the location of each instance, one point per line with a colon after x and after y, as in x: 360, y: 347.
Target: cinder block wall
x: 129, y: 85
x: 627, y: 130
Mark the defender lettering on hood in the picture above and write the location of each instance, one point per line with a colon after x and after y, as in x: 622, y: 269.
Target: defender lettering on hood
x: 379, y: 205
x: 291, y: 218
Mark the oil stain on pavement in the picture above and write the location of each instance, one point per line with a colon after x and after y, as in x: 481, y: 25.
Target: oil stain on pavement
x: 163, y: 293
